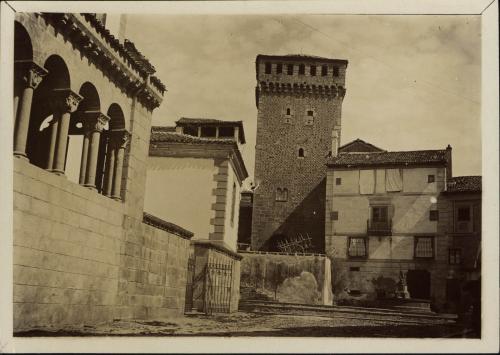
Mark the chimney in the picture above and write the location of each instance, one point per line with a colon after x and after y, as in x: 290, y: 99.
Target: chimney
x: 335, y: 143
x: 449, y: 174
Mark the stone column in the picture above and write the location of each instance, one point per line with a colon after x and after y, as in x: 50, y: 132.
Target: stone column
x: 83, y: 162
x: 53, y: 139
x: 32, y: 76
x: 94, y: 123
x: 66, y: 101
x: 109, y: 170
x: 120, y: 140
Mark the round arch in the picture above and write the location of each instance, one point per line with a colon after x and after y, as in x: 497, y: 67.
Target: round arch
x: 23, y: 47
x: 117, y: 118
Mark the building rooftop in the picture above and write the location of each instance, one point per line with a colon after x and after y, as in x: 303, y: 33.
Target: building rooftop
x: 212, y: 122
x: 358, y: 146
x: 465, y: 184
x: 168, y: 134
x: 415, y: 157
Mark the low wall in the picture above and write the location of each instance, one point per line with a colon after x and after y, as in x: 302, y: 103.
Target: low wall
x: 78, y: 259
x: 290, y: 278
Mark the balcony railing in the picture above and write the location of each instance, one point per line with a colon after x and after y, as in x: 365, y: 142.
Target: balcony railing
x: 382, y: 228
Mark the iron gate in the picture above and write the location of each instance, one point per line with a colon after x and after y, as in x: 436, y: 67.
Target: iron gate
x: 212, y: 286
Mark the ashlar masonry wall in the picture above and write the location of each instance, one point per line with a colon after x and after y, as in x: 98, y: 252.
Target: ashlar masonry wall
x: 79, y: 260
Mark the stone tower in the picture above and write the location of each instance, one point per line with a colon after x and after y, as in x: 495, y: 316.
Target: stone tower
x: 299, y: 100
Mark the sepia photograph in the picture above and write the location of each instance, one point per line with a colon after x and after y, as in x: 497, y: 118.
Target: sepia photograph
x: 254, y: 173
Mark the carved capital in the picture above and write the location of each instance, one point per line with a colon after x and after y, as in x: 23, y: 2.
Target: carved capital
x: 31, y: 73
x: 119, y: 138
x: 66, y: 100
x: 94, y: 121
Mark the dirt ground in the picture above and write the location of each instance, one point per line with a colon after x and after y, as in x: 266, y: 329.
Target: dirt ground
x: 260, y: 324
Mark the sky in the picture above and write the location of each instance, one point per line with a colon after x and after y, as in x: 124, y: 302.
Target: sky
x: 413, y: 82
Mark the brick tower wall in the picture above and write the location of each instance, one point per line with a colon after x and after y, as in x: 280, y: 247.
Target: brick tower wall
x: 279, y: 138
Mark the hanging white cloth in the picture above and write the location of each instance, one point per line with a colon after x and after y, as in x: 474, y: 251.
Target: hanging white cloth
x: 393, y: 181
x: 366, y: 182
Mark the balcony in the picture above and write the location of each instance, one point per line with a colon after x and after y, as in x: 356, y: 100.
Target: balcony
x: 379, y: 228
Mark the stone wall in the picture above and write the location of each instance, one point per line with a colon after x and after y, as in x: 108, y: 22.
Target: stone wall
x: 288, y: 278
x: 277, y: 162
x: 73, y: 263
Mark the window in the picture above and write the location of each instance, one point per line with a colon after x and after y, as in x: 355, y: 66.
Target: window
x: 431, y: 178
x: 434, y: 215
x: 281, y: 194
x: 233, y: 203
x: 334, y: 215
x: 288, y: 111
x: 454, y: 256
x: 338, y: 181
x: 313, y: 70
x: 357, y: 247
x: 335, y: 71
x: 301, y: 152
x: 354, y: 268
x: 463, y: 218
x: 424, y: 247
x: 226, y: 132
x: 208, y: 131
x: 302, y: 69
x: 279, y: 68
x: 190, y: 130
x: 268, y: 68
x: 309, y: 119
x: 463, y: 214
x: 289, y: 69
x: 379, y: 214
x: 324, y: 70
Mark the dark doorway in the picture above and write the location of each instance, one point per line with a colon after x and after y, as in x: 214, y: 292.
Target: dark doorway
x: 453, y: 291
x: 419, y: 283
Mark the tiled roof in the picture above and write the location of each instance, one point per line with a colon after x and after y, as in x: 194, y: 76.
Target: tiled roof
x: 359, y: 145
x: 415, y: 157
x: 465, y: 184
x: 168, y: 134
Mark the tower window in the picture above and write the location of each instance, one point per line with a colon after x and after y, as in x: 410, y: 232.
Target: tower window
x: 288, y: 111
x: 309, y: 119
x: 281, y: 194
x: 335, y: 71
x: 313, y: 70
x: 268, y: 68
x: 310, y: 113
x: 324, y: 70
x: 289, y: 69
x: 279, y: 68
x: 301, y: 152
x: 302, y: 69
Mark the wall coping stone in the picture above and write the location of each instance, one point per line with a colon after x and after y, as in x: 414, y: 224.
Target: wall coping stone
x: 222, y: 248
x: 166, y: 226
x: 279, y: 253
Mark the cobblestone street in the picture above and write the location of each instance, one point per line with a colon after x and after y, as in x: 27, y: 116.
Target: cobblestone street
x: 260, y: 324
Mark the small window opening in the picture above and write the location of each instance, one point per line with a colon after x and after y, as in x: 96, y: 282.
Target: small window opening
x: 288, y: 112
x: 268, y: 68
x: 226, y: 132
x: 289, y: 69
x: 324, y: 70
x: 434, y: 215
x: 334, y: 215
x: 301, y: 152
x: 302, y: 69
x: 208, y: 131
x: 190, y: 130
x: 455, y: 256
x: 279, y: 68
x: 310, y: 113
x: 335, y: 71
x: 354, y: 268
x: 338, y: 181
x: 313, y: 70
x: 431, y: 178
